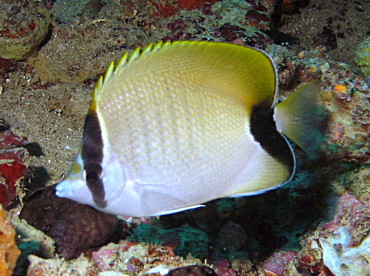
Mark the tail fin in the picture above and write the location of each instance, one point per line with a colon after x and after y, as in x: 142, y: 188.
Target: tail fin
x: 301, y: 117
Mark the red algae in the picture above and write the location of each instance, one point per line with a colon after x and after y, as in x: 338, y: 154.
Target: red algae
x: 193, y: 4
x: 168, y: 9
x: 278, y: 262
x: 12, y: 165
x: 10, y: 140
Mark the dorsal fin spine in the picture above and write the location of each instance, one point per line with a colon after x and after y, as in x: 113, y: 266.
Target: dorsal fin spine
x: 126, y: 59
x: 122, y: 62
x: 168, y: 43
x: 98, y: 85
x: 109, y: 72
x: 157, y: 46
x: 135, y: 55
x: 147, y: 49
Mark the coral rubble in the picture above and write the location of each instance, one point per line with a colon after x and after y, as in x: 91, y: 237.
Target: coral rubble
x: 55, y: 267
x: 125, y: 258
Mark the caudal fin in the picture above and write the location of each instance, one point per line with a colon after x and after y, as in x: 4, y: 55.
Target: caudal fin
x: 301, y: 117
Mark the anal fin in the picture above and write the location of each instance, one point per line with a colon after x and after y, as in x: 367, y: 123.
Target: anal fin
x: 262, y: 173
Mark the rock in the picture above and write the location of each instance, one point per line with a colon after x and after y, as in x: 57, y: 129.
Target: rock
x: 74, y: 227
x: 24, y: 25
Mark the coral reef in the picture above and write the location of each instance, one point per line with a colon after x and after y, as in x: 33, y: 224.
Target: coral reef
x: 13, y: 165
x: 232, y: 237
x: 340, y: 245
x: 341, y: 258
x: 38, y: 116
x: 329, y: 24
x: 74, y: 227
x: 348, y: 130
x: 187, y: 240
x: 9, y: 251
x: 342, y: 89
x: 27, y: 247
x: 359, y: 180
x: 125, y: 258
x: 56, y: 267
x: 69, y: 11
x: 139, y: 258
x: 105, y: 38
x: 24, y: 25
x: 6, y: 66
x: 67, y: 70
x: 362, y: 57
x: 279, y: 263
x: 46, y: 96
x: 192, y: 270
x: 169, y: 8
x: 228, y: 20
x: 31, y: 242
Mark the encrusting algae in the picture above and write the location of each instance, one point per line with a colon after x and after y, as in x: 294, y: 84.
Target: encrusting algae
x: 9, y: 251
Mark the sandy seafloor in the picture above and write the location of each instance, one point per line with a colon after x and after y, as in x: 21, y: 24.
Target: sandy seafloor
x: 45, y: 95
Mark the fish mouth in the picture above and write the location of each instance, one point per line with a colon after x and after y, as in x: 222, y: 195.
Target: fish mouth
x: 63, y: 189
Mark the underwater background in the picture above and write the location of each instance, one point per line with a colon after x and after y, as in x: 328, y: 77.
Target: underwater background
x: 52, y: 54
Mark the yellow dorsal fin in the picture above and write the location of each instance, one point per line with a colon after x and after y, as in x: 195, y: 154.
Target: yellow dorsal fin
x: 246, y: 72
x: 147, y: 49
x: 125, y: 60
x: 97, y: 88
x: 122, y: 62
x: 134, y: 55
x: 109, y: 71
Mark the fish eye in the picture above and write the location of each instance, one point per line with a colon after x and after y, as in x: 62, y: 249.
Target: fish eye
x: 92, y: 173
x: 92, y: 176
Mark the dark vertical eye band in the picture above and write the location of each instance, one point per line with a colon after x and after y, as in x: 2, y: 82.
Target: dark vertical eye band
x: 92, y: 156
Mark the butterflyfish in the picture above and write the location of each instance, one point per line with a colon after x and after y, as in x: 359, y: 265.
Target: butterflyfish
x: 178, y: 124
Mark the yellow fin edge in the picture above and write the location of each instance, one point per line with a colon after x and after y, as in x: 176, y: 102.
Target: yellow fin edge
x: 127, y: 59
x: 136, y: 54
